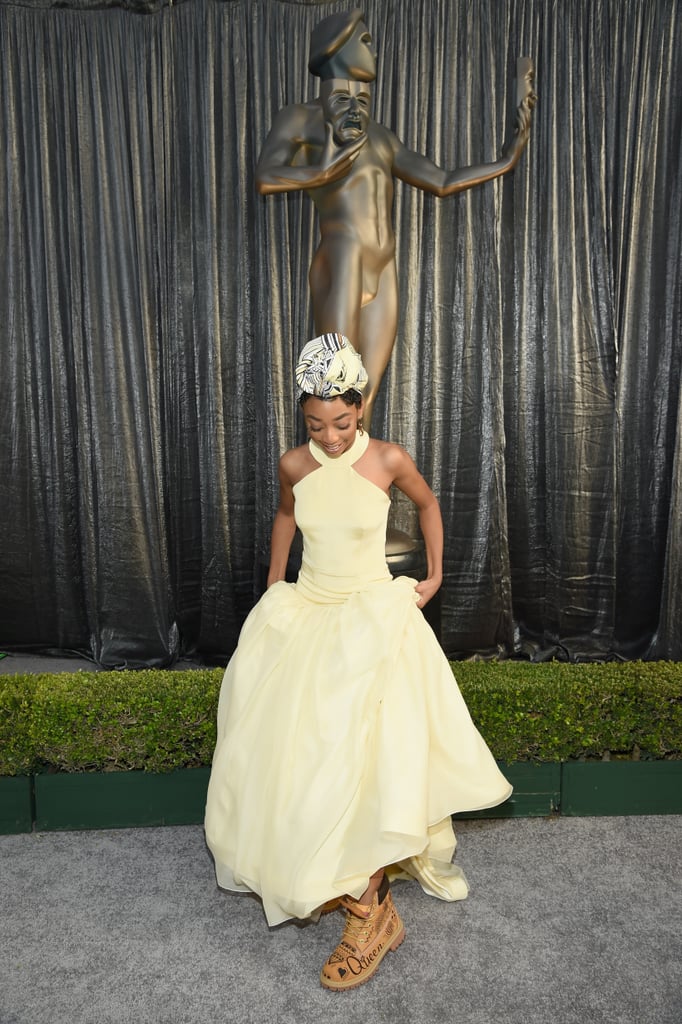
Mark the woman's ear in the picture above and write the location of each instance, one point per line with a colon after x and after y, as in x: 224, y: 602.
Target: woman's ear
x: 361, y: 409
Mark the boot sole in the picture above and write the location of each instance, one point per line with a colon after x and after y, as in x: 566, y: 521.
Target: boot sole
x: 334, y: 986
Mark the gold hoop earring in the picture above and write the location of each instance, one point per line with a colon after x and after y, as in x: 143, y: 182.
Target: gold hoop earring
x: 360, y: 427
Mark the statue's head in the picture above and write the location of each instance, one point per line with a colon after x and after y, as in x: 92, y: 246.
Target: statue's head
x: 346, y: 106
x: 341, y: 47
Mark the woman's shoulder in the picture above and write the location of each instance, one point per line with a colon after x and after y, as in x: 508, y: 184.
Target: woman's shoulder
x: 392, y: 456
x: 296, y: 463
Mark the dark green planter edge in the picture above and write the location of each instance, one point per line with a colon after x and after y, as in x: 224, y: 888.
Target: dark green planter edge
x: 120, y: 799
x: 97, y: 800
x: 589, y: 788
x: 537, y: 792
x: 16, y: 804
x: 621, y: 787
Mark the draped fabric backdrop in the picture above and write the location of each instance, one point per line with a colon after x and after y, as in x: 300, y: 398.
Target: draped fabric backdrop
x: 151, y: 307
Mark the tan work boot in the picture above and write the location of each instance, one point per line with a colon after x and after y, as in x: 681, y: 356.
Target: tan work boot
x: 371, y: 930
x: 330, y: 906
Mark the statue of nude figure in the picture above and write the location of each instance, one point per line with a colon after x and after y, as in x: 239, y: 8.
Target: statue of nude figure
x: 332, y: 149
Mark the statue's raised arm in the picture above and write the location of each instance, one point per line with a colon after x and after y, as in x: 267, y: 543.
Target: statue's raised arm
x: 421, y: 172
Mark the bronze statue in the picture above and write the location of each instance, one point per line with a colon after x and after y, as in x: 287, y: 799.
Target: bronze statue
x: 332, y: 149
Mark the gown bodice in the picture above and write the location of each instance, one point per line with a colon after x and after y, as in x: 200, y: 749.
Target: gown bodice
x: 342, y: 516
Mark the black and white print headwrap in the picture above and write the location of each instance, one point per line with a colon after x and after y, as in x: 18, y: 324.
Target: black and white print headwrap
x: 329, y: 366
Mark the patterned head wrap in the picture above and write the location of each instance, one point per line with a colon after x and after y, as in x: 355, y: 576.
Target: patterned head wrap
x: 329, y: 366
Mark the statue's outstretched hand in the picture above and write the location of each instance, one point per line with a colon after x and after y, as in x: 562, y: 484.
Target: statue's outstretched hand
x: 527, y: 100
x: 523, y: 115
x: 336, y: 161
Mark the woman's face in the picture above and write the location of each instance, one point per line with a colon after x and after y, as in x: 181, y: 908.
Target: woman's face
x: 332, y: 425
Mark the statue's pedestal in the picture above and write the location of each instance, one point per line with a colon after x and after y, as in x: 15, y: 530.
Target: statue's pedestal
x: 405, y: 556
x: 400, y: 545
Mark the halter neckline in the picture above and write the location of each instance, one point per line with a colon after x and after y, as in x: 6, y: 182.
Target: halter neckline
x: 347, y: 458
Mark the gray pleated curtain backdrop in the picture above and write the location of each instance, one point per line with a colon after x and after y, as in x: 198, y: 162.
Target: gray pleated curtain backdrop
x: 151, y: 307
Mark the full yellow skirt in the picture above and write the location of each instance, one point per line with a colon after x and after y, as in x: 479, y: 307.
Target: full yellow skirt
x: 344, y: 745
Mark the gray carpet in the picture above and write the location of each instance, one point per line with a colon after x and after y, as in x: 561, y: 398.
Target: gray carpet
x: 568, y: 920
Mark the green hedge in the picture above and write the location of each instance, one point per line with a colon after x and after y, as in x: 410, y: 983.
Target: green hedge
x: 558, y: 711
x: 160, y: 720
x: 107, y: 721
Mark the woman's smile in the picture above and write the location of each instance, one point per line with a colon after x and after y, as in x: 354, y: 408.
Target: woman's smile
x: 332, y: 449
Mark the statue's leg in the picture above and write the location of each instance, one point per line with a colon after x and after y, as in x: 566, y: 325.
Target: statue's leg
x: 336, y: 288
x: 376, y: 337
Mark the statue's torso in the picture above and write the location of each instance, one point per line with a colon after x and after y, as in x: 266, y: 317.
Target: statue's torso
x: 359, y: 206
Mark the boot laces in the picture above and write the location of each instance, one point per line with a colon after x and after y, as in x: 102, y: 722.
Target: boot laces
x: 357, y: 930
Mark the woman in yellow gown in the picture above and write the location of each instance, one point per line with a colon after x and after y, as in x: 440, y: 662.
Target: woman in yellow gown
x: 344, y: 745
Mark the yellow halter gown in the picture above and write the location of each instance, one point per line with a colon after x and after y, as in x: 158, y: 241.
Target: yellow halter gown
x: 344, y: 744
